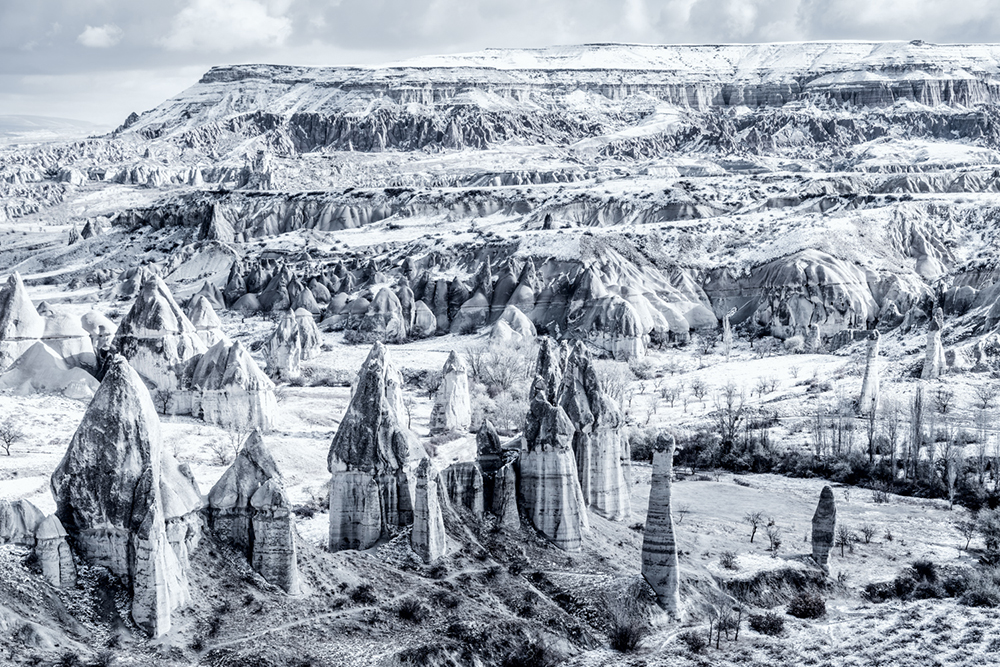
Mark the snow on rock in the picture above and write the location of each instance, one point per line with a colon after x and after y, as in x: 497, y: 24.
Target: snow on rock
x: 452, y: 412
x: 372, y: 458
x: 40, y: 370
x: 20, y: 323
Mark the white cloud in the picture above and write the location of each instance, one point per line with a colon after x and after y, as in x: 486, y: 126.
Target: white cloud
x: 227, y: 25
x: 100, y: 37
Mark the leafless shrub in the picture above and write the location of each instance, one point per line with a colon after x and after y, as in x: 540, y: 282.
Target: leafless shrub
x: 11, y: 433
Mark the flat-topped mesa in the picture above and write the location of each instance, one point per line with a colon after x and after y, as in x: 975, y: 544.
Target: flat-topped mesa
x: 869, y: 401
x: 824, y: 525
x: 428, y: 537
x: 157, y: 338
x: 140, y: 521
x: 229, y: 389
x: 659, y: 544
x: 372, y: 458
x: 205, y: 321
x: 934, y: 356
x: 452, y: 412
x: 283, y: 350
x: 597, y: 442
x: 20, y: 324
x: 248, y: 508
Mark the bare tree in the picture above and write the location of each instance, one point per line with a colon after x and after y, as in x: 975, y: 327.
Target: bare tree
x: 943, y: 400
x: 845, y: 538
x: 11, y: 433
x: 730, y: 409
x: 916, y: 431
x: 699, y: 389
x: 161, y: 397
x: 968, y: 530
x: 755, y: 519
x: 669, y: 391
x: 986, y: 394
x: 773, y: 537
x: 890, y: 427
x: 681, y: 512
x: 868, y: 532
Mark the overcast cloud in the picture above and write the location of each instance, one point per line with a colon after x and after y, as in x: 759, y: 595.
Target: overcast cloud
x: 98, y: 60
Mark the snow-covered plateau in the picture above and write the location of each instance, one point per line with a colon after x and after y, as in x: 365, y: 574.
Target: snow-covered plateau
x: 486, y: 288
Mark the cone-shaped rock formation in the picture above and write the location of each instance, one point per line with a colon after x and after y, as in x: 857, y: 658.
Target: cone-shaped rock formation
x: 597, y: 442
x: 231, y: 390
x: 206, y: 322
x: 372, y: 458
x: 428, y: 538
x: 452, y: 411
x: 824, y: 524
x: 20, y: 324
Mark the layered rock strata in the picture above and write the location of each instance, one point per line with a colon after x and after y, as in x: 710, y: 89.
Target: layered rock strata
x: 273, y: 552
x: 229, y: 389
x: 54, y: 553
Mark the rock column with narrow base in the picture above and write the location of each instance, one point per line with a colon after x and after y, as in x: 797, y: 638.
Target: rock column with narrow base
x: 659, y: 544
x: 54, y: 554
x: 869, y: 400
x: 934, y: 358
x: 452, y: 412
x: 273, y: 552
x: 824, y: 525
x: 428, y: 538
x: 597, y: 442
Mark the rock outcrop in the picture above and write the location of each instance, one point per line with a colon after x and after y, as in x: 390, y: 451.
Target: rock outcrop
x: 428, y: 537
x: 597, y: 441
x: 248, y: 508
x: 157, y: 338
x: 40, y: 370
x: 659, y: 544
x: 125, y: 502
x: 869, y: 400
x: 550, y: 486
x: 452, y: 412
x: 310, y: 338
x: 54, y: 554
x: 384, y: 319
x: 229, y: 389
x: 273, y: 554
x: 934, y: 357
x: 19, y: 520
x: 498, y: 476
x: 206, y: 322
x: 372, y: 458
x: 283, y: 350
x: 424, y: 321
x: 824, y: 526
x: 20, y: 324
x: 65, y: 334
x: 463, y: 484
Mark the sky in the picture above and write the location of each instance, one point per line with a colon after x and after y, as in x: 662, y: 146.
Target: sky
x: 99, y: 60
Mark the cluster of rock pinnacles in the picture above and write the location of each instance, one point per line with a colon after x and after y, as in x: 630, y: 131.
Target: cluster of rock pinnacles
x: 143, y: 522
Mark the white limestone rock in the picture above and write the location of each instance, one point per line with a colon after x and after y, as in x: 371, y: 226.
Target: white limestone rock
x: 384, y: 318
x: 20, y: 324
x: 659, y: 544
x: 229, y: 389
x: 424, y: 321
x: 157, y: 338
x: 100, y: 328
x: 597, y: 442
x: 65, y: 334
x: 372, y: 458
x: 428, y: 537
x: 310, y: 338
x: 54, y: 553
x: 452, y: 411
x: 934, y: 356
x: 606, y: 320
x: 518, y: 322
